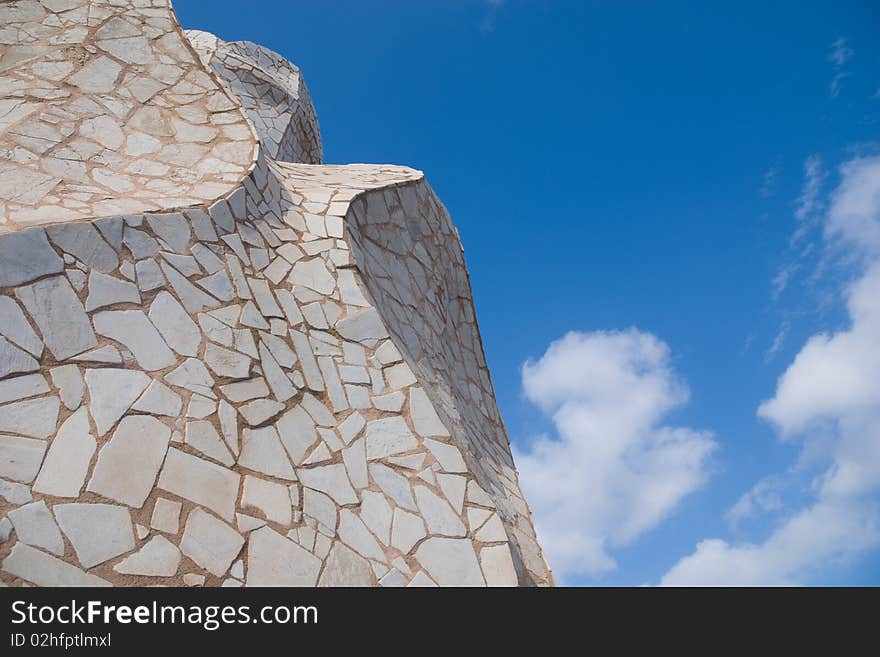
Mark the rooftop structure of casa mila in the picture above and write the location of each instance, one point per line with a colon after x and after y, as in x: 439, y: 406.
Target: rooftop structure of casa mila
x: 223, y: 362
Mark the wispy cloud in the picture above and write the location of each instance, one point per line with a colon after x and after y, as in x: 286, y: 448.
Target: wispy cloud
x: 809, y: 202
x: 829, y: 400
x: 778, y: 341
x: 840, y: 54
x: 614, y: 470
x: 769, y: 182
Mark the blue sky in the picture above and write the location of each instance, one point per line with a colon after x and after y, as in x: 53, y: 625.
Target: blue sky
x: 666, y: 182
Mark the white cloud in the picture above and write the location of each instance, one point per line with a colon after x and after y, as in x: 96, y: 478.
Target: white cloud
x: 614, y: 471
x: 829, y: 397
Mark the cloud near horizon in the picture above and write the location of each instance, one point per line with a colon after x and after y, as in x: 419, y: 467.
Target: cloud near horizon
x: 613, y: 471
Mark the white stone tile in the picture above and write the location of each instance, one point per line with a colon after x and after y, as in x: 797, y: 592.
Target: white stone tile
x: 159, y: 557
x: 44, y: 570
x: 203, y: 437
x: 98, y: 532
x: 261, y: 451
x: 425, y: 420
x: 210, y: 542
x: 34, y: 418
x: 34, y: 525
x: 68, y: 379
x: 127, y: 465
x: 166, y: 516
x: 389, y: 436
x: 20, y: 458
x: 175, y: 325
x: 345, y: 568
x: 330, y: 479
x: 66, y: 464
x: 273, y: 560
x: 134, y: 330
x: 270, y: 498
x: 407, y: 529
x: 200, y: 481
x: 450, y: 561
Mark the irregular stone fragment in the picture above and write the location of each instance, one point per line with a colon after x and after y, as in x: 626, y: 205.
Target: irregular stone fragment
x: 34, y: 525
x: 355, y: 459
x: 203, y: 436
x: 308, y: 362
x: 69, y: 381
x: 393, y: 485
x: 226, y: 363
x: 159, y: 557
x: 107, y: 290
x: 332, y: 480
x: 44, y: 570
x: 35, y: 418
x: 159, y: 399
x: 355, y: 534
x: 211, y: 543
x: 281, y: 386
x: 175, y: 325
x: 450, y: 561
x: 438, y: 514
x: 261, y: 451
x: 20, y: 458
x: 67, y: 462
x: 245, y: 390
x: 320, y: 507
x: 14, y: 493
x: 334, y: 386
x: 260, y: 410
x: 345, y: 568
x: 173, y: 229
x: 425, y: 420
x: 388, y: 436
x: 407, y: 529
x: 111, y: 393
x: 448, y: 455
x: 166, y: 516
x: 270, y: 498
x: 98, y: 532
x: 15, y: 327
x: 297, y: 431
x: 134, y: 330
x: 127, y: 465
x: 363, y: 326
x: 23, y: 387
x: 376, y: 515
x: 274, y: 560
x: 59, y: 315
x: 25, y: 256
x: 313, y: 274
x: 14, y: 360
x: 200, y: 481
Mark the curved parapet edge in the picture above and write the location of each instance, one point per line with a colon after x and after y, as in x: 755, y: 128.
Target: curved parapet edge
x: 412, y: 263
x: 105, y: 109
x: 272, y: 91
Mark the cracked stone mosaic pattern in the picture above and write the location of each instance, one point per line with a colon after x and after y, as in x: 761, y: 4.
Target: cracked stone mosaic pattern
x: 283, y: 385
x: 105, y: 109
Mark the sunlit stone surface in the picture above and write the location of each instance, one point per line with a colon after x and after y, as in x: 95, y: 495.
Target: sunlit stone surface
x: 221, y: 361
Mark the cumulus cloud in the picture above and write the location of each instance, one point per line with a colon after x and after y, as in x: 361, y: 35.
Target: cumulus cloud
x: 614, y: 470
x: 829, y: 398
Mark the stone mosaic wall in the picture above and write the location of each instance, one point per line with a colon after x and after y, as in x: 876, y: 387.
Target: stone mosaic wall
x: 285, y: 386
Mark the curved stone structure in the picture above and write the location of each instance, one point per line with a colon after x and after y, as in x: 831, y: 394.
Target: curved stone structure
x: 281, y: 384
